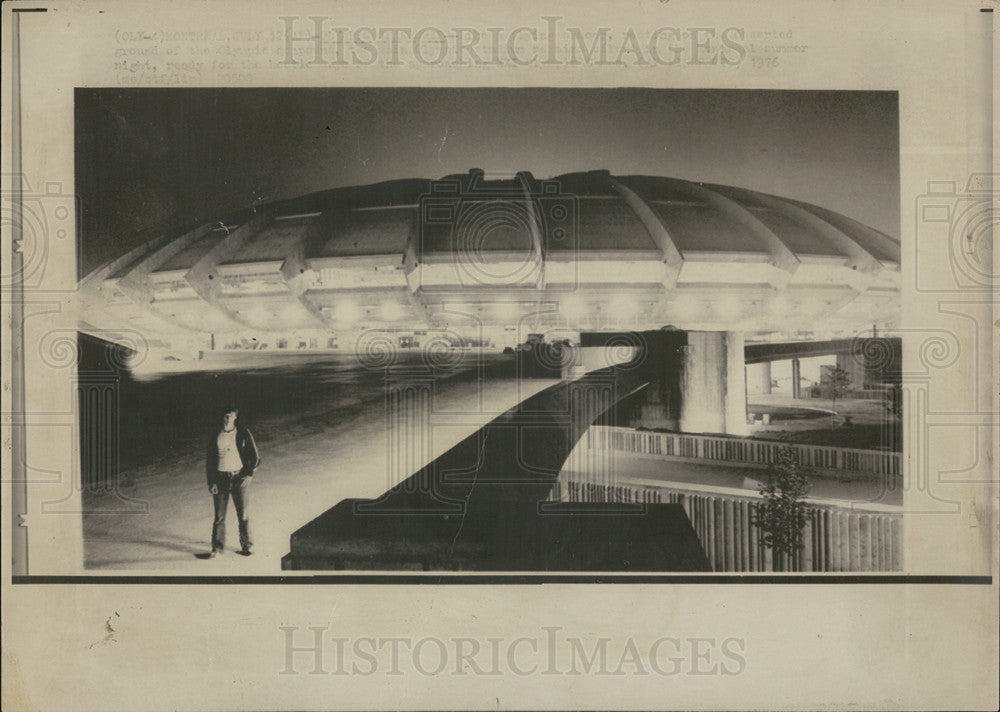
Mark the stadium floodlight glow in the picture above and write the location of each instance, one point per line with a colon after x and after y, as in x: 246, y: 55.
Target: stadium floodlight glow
x: 257, y: 314
x: 289, y: 312
x: 390, y: 311
x: 346, y: 311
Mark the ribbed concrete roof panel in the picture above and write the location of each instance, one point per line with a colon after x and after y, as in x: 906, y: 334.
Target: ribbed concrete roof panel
x: 880, y: 245
x: 369, y: 231
x: 609, y: 223
x: 795, y: 232
x: 700, y: 228
x: 274, y: 242
x: 186, y: 258
x: 469, y: 226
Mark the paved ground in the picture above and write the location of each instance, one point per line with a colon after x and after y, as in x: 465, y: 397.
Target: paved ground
x: 300, y: 479
x: 303, y: 476
x: 865, y: 431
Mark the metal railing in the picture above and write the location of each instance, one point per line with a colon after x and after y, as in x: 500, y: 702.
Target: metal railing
x: 754, y: 453
x: 835, y: 538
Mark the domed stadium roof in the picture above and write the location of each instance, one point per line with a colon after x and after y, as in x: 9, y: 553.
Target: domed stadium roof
x: 588, y: 250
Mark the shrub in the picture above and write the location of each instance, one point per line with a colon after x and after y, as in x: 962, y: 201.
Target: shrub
x: 781, y: 517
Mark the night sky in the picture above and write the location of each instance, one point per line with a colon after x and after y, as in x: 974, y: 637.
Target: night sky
x: 156, y: 161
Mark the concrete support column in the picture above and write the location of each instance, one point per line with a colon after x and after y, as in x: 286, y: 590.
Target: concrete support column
x: 759, y: 377
x: 736, y: 385
x: 713, y: 384
x: 796, y: 378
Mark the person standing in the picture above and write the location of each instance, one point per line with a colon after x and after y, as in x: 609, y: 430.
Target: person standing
x: 231, y: 460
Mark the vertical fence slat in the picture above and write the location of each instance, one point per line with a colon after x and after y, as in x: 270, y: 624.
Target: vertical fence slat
x: 730, y: 450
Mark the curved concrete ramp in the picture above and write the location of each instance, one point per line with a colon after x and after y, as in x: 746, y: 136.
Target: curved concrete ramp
x: 482, y: 504
x: 563, y: 538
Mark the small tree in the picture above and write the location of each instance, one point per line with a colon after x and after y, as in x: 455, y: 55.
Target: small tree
x: 781, y: 517
x: 835, y: 382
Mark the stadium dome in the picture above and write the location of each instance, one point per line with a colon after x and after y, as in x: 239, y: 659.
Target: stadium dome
x: 587, y: 251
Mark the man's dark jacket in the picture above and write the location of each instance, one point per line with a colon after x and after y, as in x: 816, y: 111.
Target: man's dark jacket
x: 244, y: 445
